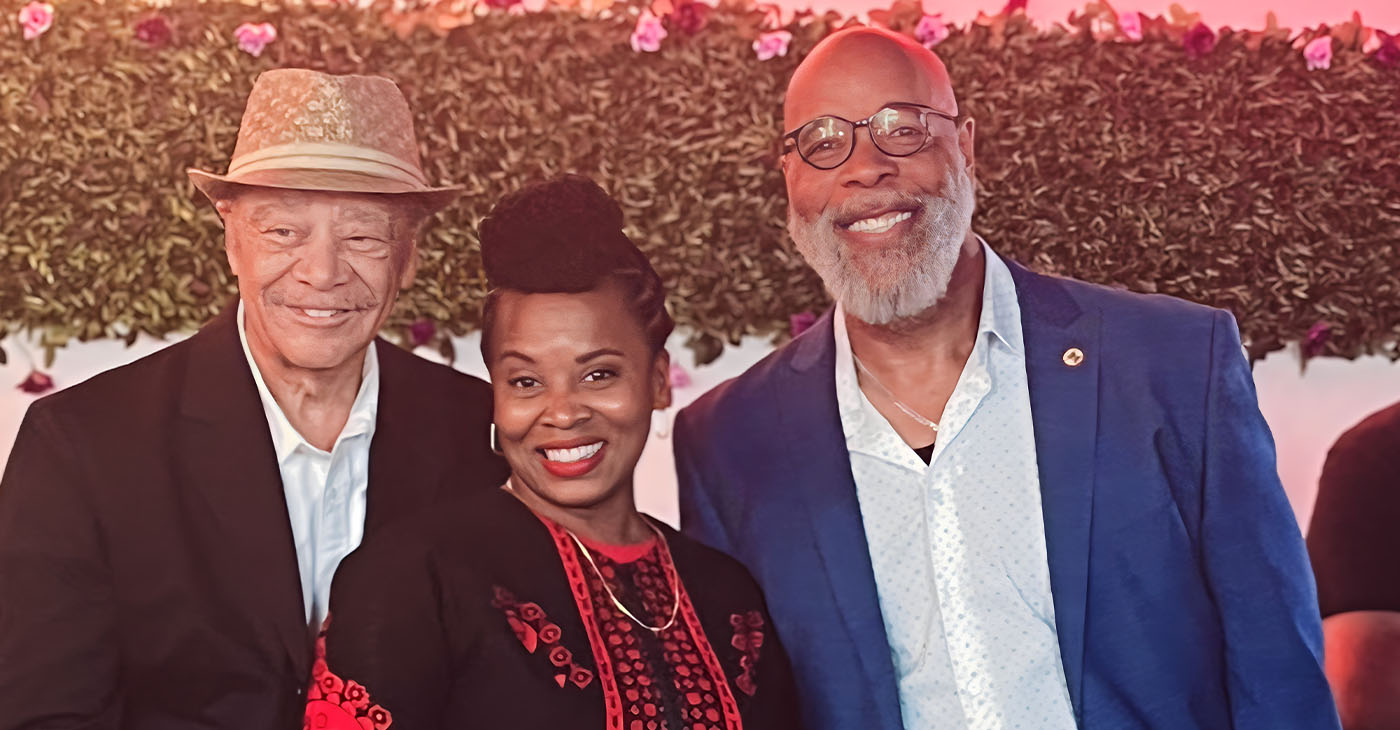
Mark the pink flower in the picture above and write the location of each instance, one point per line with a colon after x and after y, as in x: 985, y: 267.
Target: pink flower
x: 931, y: 30
x: 648, y: 33
x: 36, y: 383
x: 1012, y: 6
x: 1318, y: 53
x: 1199, y: 41
x: 421, y: 332
x: 35, y: 18
x: 771, y: 44
x: 153, y: 31
x: 690, y: 17
x: 1316, y: 339
x: 679, y: 377
x: 1130, y: 25
x: 254, y: 38
x: 529, y: 6
x: 1388, y: 54
x: 800, y: 322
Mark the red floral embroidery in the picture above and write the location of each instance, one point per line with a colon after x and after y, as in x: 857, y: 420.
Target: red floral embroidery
x: 748, y: 639
x: 334, y: 704
x: 532, y: 627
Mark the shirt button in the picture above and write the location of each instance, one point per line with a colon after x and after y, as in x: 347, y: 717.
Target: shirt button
x: 300, y: 690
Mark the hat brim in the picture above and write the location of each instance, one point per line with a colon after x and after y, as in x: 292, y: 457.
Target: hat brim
x: 219, y: 187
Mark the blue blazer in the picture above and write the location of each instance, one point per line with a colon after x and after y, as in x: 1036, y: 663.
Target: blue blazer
x: 1183, y: 595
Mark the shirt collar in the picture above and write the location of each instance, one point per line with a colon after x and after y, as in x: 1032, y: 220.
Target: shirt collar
x: 285, y: 438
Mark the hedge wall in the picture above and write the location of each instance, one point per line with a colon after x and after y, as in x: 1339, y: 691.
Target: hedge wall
x: 1239, y: 178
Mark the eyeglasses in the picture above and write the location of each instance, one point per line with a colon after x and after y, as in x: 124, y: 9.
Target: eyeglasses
x: 898, y: 130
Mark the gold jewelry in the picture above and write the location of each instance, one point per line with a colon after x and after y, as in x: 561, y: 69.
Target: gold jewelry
x: 670, y: 562
x: 675, y: 580
x: 910, y: 412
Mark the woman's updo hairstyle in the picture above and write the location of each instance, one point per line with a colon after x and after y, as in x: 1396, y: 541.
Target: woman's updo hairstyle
x: 564, y: 235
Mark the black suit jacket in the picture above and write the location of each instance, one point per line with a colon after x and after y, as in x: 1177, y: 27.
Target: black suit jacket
x: 148, y: 578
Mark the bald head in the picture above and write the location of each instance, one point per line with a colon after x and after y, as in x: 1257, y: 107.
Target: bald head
x: 853, y: 73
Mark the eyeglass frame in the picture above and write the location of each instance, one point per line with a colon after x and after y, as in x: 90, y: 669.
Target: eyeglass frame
x: 924, y: 111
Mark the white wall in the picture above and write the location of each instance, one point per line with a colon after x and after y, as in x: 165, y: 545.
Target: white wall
x: 1306, y: 410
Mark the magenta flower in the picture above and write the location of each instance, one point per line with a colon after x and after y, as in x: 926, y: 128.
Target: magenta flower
x: 771, y: 44
x: 648, y: 34
x: 1130, y: 25
x: 931, y: 30
x: 679, y: 377
x: 501, y: 4
x: 1316, y: 339
x: 1012, y: 6
x: 1388, y: 53
x: 690, y: 17
x: 35, y: 18
x: 1318, y: 53
x: 253, y: 38
x: 421, y: 332
x: 800, y: 322
x: 36, y: 383
x: 1199, y: 41
x: 153, y: 31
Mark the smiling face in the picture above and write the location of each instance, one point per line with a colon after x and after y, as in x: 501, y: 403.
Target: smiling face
x: 318, y: 272
x: 575, y: 383
x: 883, y: 232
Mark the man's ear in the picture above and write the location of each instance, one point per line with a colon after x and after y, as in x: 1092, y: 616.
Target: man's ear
x: 410, y: 267
x: 225, y: 207
x: 661, y: 379
x: 967, y: 135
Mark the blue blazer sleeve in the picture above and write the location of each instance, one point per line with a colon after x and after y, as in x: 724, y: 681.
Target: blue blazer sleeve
x: 1254, y: 559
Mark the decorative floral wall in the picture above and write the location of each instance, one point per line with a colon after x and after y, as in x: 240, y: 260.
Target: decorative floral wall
x: 1256, y: 170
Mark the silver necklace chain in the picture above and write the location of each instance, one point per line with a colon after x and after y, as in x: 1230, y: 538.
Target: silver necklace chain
x: 910, y: 412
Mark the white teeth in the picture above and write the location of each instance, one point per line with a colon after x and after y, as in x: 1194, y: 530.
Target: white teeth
x: 321, y: 313
x: 881, y: 224
x: 565, y: 456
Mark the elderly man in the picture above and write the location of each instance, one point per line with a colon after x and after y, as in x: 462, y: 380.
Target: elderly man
x: 169, y: 529
x: 978, y: 497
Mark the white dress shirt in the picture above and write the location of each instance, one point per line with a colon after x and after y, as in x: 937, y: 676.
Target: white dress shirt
x: 958, y: 545
x: 325, y: 491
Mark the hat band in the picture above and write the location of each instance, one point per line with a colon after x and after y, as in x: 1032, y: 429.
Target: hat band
x: 326, y: 156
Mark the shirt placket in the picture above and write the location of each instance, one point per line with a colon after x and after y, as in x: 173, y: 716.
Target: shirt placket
x: 946, y: 496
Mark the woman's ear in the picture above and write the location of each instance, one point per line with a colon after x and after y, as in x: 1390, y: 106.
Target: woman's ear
x: 661, y: 380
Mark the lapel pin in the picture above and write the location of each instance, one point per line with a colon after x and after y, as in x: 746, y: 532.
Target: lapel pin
x: 1073, y: 357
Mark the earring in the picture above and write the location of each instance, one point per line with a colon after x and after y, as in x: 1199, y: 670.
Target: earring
x: 665, y: 431
x: 493, y: 441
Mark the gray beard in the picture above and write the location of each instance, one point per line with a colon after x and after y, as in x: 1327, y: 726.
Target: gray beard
x: 903, y: 279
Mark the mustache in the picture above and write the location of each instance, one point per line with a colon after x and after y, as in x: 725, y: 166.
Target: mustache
x: 315, y: 301
x: 863, y: 206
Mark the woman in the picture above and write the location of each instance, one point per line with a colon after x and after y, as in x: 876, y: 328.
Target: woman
x: 553, y: 603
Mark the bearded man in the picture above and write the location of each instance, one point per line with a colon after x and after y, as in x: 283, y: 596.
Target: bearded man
x: 979, y: 497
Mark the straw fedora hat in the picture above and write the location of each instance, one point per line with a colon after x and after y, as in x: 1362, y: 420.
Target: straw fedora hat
x: 307, y: 130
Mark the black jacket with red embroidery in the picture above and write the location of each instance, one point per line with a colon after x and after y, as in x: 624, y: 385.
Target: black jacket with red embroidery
x: 486, y: 616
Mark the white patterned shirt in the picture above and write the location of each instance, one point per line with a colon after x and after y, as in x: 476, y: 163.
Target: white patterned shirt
x: 325, y: 491
x: 958, y: 545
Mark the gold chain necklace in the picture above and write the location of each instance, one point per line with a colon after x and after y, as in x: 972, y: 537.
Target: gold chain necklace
x: 665, y: 551
x: 674, y: 579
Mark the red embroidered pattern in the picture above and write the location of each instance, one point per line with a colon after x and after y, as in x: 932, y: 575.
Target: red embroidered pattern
x: 748, y: 639
x: 705, y: 700
x: 612, y: 700
x: 334, y: 704
x: 532, y: 628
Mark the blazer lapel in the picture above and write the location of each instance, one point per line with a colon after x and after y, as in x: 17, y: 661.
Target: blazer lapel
x: 1064, y: 396
x: 405, y: 458
x: 227, y: 458
x: 825, y: 489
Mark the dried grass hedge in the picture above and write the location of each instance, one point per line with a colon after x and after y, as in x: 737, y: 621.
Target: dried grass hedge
x: 1240, y: 180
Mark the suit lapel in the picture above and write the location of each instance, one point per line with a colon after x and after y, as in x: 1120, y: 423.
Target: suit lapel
x: 227, y: 458
x: 405, y: 458
x: 1064, y: 410
x: 820, y: 469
